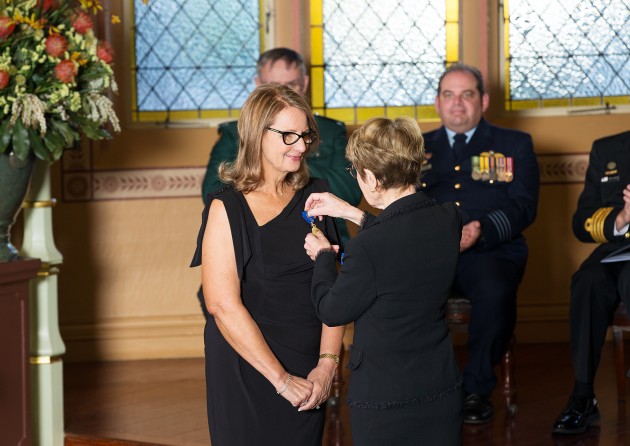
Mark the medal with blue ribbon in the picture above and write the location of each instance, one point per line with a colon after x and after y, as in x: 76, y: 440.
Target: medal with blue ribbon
x: 314, y: 229
x: 310, y: 221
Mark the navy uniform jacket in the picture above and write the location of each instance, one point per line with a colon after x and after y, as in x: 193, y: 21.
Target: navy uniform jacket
x: 504, y: 208
x: 602, y: 198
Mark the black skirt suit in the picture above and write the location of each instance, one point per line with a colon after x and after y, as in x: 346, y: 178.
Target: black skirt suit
x: 405, y: 385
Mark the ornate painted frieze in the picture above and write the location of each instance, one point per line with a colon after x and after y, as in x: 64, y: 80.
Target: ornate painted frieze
x: 562, y: 168
x: 180, y: 182
x: 177, y: 182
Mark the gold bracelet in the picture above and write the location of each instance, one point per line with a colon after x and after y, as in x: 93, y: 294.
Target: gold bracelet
x: 286, y: 384
x: 331, y: 356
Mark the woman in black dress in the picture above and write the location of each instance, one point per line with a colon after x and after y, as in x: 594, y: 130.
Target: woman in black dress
x: 269, y: 360
x: 405, y: 385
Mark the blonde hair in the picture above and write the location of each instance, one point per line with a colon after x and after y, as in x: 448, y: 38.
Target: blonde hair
x: 259, y: 112
x: 391, y: 149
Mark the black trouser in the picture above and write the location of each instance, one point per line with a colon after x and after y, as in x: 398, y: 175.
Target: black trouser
x: 489, y: 280
x: 596, y: 289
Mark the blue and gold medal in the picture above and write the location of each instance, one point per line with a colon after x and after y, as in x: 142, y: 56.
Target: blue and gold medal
x: 311, y: 220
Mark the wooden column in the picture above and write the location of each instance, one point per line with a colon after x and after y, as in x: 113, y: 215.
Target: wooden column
x: 46, y: 345
x: 15, y: 413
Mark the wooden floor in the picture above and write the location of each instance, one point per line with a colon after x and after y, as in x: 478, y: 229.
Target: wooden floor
x: 162, y: 402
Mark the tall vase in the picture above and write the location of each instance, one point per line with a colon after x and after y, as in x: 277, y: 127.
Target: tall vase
x: 14, y: 178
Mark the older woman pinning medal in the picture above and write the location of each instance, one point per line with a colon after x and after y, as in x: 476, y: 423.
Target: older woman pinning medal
x: 405, y: 385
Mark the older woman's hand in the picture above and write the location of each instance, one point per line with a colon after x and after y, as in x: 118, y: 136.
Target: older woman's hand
x: 322, y: 378
x: 298, y: 391
x: 314, y: 243
x: 324, y: 203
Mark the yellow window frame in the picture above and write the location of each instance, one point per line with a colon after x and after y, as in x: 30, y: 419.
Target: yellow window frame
x: 180, y: 115
x: 534, y: 104
x: 358, y: 115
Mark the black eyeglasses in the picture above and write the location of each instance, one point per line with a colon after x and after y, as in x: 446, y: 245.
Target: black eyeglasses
x: 352, y: 170
x: 290, y: 138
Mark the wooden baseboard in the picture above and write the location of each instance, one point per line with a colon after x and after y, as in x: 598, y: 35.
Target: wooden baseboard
x: 182, y: 336
x: 88, y: 440
x: 135, y: 338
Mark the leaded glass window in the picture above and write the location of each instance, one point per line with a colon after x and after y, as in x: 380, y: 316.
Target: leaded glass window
x: 380, y: 57
x: 567, y: 52
x: 194, y: 58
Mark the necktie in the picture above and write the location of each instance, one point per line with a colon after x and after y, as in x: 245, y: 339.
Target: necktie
x: 459, y: 145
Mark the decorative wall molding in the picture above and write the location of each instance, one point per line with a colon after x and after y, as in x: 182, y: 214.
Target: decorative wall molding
x: 132, y: 184
x: 183, y: 182
x: 562, y: 168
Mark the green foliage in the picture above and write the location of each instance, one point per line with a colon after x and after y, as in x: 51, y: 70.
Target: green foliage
x: 5, y: 135
x: 51, y: 98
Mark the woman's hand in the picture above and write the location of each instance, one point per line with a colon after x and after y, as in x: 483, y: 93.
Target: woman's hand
x: 322, y: 378
x: 324, y: 203
x: 314, y: 243
x: 298, y: 392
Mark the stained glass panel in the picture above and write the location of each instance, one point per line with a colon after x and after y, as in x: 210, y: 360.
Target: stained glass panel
x: 380, y: 55
x: 194, y: 56
x: 567, y: 51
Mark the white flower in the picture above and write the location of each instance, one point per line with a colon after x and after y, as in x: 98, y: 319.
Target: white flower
x: 101, y: 109
x: 62, y: 113
x: 30, y: 110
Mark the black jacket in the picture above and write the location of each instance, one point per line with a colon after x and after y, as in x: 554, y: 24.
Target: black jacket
x: 394, y: 284
x: 601, y: 200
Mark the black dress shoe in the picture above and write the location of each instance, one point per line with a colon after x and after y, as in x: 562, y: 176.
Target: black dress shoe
x: 581, y: 411
x: 478, y: 409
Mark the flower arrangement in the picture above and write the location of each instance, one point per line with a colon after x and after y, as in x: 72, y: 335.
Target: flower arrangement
x: 55, y: 77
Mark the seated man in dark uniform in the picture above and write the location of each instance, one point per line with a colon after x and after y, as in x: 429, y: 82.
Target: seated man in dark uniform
x: 285, y: 66
x: 602, y: 216
x: 492, y: 174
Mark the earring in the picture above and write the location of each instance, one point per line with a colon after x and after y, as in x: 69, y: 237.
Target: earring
x: 372, y: 190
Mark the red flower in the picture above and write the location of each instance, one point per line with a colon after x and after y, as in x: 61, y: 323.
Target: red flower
x: 56, y: 45
x: 47, y: 4
x: 65, y: 71
x: 105, y: 52
x: 6, y: 27
x: 83, y: 23
x: 4, y: 79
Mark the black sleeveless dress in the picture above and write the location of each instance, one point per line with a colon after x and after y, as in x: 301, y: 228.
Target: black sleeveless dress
x: 275, y: 275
